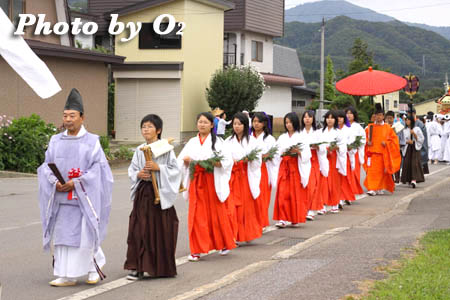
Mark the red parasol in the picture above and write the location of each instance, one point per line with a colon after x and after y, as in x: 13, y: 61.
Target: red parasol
x: 370, y: 83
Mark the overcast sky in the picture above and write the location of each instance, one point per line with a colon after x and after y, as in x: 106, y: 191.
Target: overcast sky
x: 430, y: 12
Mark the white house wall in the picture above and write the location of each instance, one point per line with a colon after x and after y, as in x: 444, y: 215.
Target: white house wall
x: 276, y: 101
x: 266, y: 66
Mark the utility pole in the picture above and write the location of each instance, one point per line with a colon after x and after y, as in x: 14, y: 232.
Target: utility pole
x: 322, y: 69
x: 322, y: 64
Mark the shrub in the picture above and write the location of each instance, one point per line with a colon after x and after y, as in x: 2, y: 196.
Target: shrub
x: 123, y: 153
x: 235, y: 89
x: 24, y: 143
x: 104, y: 142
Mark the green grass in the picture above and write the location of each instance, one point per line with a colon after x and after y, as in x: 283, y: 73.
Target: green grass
x: 425, y: 276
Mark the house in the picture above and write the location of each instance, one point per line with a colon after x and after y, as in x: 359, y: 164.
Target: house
x: 249, y: 32
x: 391, y: 101
x: 422, y: 108
x: 167, y: 74
x: 73, y: 68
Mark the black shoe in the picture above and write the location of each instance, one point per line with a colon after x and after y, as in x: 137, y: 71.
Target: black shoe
x: 348, y: 202
x: 413, y: 185
x: 134, y: 275
x: 340, y: 207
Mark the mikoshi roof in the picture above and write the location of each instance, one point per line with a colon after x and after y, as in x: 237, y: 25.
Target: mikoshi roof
x: 371, y: 83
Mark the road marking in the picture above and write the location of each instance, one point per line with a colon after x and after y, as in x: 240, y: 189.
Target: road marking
x: 285, y: 254
x: 225, y: 280
x: 277, y: 241
x: 20, y: 227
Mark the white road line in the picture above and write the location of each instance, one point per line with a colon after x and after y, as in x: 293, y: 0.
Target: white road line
x: 20, y: 227
x: 226, y: 280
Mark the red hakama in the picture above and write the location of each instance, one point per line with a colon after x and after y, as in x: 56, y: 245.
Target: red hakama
x: 291, y: 198
x: 209, y: 225
x: 263, y: 201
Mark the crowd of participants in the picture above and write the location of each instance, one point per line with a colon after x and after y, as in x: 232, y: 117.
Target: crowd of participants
x: 313, y: 168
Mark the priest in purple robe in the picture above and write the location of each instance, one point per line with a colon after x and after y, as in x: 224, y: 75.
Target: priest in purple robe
x: 75, y: 213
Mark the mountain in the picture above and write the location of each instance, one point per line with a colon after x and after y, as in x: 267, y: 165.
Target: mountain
x: 442, y: 30
x: 313, y: 12
x: 395, y: 46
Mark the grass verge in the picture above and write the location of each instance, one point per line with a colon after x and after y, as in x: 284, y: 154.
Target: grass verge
x: 424, y: 275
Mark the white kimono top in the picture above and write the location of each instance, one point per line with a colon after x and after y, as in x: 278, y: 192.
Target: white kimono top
x: 418, y: 142
x: 331, y: 135
x: 196, y: 151
x: 304, y: 161
x: 240, y: 149
x: 272, y: 165
x: 313, y: 137
x: 357, y: 130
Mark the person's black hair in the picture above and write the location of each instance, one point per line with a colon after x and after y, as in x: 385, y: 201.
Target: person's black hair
x: 292, y: 116
x: 413, y: 121
x: 390, y: 113
x: 378, y: 109
x: 244, y: 120
x: 155, y: 120
x: 221, y: 115
x: 354, y: 113
x: 333, y: 114
x: 262, y: 118
x: 81, y: 114
x: 311, y: 114
x: 210, y: 118
x: 341, y: 114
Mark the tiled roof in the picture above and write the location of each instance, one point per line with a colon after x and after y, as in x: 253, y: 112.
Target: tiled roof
x: 286, y: 62
x: 100, y: 7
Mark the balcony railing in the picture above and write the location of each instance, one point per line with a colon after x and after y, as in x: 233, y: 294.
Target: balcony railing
x: 229, y: 59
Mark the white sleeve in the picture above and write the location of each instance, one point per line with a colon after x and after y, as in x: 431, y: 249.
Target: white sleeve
x: 24, y: 61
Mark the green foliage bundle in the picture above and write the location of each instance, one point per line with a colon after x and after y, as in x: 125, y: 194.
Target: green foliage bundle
x: 24, y: 142
x: 288, y: 152
x: 356, y: 143
x: 207, y: 164
x: 270, y: 154
x: 333, y: 146
x: 235, y: 88
x: 253, y: 155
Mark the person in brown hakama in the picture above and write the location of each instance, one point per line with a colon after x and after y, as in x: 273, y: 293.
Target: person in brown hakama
x: 412, y: 171
x: 153, y: 227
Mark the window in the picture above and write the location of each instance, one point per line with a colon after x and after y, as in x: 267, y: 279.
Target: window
x: 13, y: 8
x: 257, y: 51
x: 395, y: 103
x: 387, y: 104
x: 298, y: 103
x: 78, y: 5
x: 149, y: 39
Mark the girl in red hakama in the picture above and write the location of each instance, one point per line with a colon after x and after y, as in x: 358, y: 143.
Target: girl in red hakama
x: 310, y: 135
x: 337, y: 159
x: 291, y: 201
x: 209, y: 224
x: 347, y: 180
x: 269, y: 168
x: 245, y: 180
x: 356, y: 130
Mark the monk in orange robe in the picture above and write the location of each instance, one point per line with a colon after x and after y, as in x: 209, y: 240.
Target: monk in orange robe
x: 382, y: 155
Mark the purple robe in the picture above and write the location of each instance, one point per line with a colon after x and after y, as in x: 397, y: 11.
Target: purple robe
x: 61, y: 218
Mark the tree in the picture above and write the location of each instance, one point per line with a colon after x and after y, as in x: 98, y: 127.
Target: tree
x: 362, y: 59
x: 329, y: 89
x: 235, y: 89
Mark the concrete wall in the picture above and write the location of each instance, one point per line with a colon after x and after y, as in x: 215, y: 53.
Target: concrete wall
x: 425, y: 107
x: 276, y: 101
x: 90, y: 78
x: 47, y: 7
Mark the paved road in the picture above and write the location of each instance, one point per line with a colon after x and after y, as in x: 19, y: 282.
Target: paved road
x: 25, y: 269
